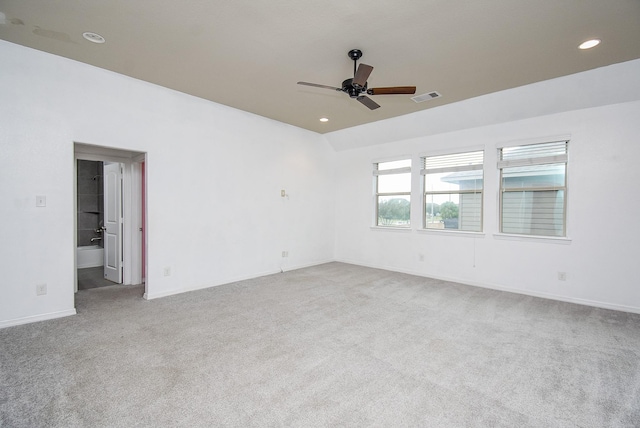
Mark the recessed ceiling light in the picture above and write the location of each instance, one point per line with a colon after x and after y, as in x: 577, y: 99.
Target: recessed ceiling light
x: 324, y: 119
x: 93, y: 37
x: 589, y: 44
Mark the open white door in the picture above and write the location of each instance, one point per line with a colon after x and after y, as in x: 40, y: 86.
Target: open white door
x: 112, y: 236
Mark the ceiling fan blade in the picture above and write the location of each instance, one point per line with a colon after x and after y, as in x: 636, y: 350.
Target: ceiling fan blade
x: 368, y: 102
x: 362, y: 74
x: 315, y: 85
x: 393, y: 90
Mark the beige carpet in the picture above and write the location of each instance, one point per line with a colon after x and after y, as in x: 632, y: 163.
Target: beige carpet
x: 331, y: 345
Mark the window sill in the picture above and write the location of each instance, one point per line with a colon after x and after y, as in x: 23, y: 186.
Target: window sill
x: 533, y: 238
x: 450, y: 232
x: 391, y: 229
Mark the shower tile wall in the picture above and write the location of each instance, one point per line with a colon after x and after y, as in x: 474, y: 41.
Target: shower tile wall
x: 90, y: 202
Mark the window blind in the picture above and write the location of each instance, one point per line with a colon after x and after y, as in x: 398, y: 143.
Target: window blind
x: 452, y: 163
x: 533, y: 154
x: 392, y: 167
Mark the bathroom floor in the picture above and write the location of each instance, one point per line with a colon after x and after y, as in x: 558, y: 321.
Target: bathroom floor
x: 92, y: 278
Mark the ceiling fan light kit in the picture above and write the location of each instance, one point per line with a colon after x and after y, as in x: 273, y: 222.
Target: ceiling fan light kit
x: 356, y: 87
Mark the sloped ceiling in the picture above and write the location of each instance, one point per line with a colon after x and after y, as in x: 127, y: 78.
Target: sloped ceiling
x: 250, y: 54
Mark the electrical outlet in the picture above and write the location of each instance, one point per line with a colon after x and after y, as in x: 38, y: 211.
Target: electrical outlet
x: 285, y: 254
x: 167, y: 271
x: 420, y: 257
x: 562, y: 276
x: 283, y: 193
x: 41, y: 201
x: 41, y: 289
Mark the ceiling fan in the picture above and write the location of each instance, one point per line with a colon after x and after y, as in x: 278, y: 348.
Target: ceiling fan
x: 356, y: 87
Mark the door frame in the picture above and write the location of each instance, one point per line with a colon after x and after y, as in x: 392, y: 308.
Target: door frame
x: 131, y: 204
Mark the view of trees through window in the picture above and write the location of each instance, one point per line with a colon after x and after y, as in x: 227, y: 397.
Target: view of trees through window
x: 393, y: 193
x: 393, y: 211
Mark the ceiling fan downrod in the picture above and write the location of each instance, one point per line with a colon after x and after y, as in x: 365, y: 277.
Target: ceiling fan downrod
x: 355, y: 55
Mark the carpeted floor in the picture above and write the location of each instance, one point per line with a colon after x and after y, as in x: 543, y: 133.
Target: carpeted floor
x: 331, y: 345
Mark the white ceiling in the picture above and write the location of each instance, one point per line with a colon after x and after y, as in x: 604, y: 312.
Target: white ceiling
x: 249, y: 54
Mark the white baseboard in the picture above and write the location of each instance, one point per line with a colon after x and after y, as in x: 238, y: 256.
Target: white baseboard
x: 568, y: 299
x: 151, y: 296
x: 36, y: 318
x: 306, y: 265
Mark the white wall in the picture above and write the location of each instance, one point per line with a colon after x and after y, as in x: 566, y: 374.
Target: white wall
x: 603, y: 215
x: 214, y: 176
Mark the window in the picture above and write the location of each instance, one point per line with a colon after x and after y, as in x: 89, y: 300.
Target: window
x: 453, y: 191
x: 533, y: 189
x: 393, y: 193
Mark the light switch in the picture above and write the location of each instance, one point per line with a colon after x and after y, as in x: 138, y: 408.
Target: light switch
x: 41, y: 201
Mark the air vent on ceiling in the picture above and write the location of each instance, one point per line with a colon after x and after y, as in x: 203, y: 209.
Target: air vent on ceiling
x: 426, y: 97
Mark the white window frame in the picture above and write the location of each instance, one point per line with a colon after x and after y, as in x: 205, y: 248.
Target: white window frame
x: 534, y: 161
x: 376, y: 173
x: 424, y: 171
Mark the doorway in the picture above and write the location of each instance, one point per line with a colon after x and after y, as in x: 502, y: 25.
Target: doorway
x: 110, y: 220
x: 90, y: 228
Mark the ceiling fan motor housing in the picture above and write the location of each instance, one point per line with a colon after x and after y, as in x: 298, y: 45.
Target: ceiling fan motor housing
x: 353, y: 91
